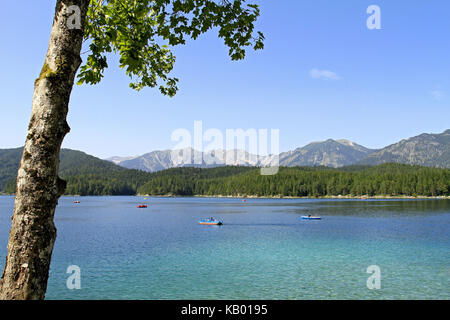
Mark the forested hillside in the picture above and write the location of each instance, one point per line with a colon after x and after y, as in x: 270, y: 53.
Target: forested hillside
x: 85, y: 174
x: 387, y: 179
x: 88, y: 175
x: 9, y: 164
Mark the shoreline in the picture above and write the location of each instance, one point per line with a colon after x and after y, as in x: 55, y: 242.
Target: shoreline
x: 379, y: 197
x: 291, y: 197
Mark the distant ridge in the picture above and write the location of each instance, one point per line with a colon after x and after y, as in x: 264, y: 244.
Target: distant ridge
x: 161, y: 160
x: 117, y: 160
x: 427, y: 149
x: 432, y: 150
x: 329, y: 153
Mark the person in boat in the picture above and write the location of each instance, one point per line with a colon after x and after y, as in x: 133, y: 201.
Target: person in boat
x: 309, y: 216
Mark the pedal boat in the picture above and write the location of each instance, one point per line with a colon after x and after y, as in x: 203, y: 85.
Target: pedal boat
x: 311, y: 218
x: 211, y: 222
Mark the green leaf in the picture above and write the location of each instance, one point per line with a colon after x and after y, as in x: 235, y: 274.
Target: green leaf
x: 143, y: 32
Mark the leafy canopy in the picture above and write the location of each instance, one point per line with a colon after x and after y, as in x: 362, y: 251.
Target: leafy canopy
x: 143, y: 31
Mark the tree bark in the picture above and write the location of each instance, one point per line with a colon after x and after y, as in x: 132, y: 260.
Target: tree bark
x: 33, y: 232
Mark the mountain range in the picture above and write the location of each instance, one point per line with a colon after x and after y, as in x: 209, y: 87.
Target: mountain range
x: 88, y: 175
x: 432, y: 150
x: 429, y: 150
x: 329, y: 153
x: 161, y: 160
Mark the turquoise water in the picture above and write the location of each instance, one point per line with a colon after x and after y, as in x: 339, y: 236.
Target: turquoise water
x: 263, y: 251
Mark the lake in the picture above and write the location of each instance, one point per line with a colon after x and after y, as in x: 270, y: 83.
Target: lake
x: 263, y: 251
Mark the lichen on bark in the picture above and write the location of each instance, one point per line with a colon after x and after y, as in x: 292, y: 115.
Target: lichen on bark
x: 46, y: 72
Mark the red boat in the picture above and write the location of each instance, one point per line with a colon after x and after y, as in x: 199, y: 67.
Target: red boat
x: 76, y: 201
x: 142, y: 206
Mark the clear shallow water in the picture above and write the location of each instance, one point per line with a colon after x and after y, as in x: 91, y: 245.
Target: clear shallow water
x: 264, y: 250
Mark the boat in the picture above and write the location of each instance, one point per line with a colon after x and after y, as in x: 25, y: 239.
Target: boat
x: 310, y: 217
x: 142, y: 206
x: 76, y: 201
x: 211, y: 222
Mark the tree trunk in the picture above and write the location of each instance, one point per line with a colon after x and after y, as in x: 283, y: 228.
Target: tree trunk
x: 33, y: 232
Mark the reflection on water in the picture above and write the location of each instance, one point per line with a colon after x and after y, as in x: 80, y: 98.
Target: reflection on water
x: 379, y: 208
x: 331, y: 207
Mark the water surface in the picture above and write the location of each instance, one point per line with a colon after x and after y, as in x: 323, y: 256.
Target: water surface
x: 263, y: 251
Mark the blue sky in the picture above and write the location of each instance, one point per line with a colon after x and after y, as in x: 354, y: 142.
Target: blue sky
x: 323, y: 74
